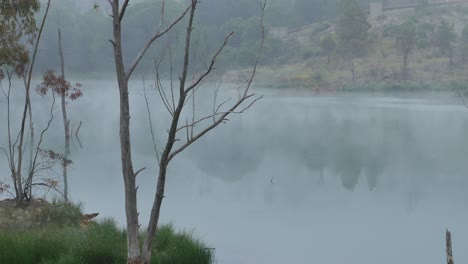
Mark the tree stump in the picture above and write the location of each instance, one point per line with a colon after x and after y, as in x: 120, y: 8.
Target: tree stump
x: 448, y: 239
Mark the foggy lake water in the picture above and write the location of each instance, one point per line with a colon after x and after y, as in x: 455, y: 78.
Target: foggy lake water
x: 295, y: 179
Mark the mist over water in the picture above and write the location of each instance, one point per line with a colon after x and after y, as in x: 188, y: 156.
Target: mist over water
x: 295, y: 179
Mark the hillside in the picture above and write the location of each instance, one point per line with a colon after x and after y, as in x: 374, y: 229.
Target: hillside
x: 428, y: 64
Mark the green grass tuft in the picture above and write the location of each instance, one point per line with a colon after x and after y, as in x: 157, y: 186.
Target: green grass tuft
x: 60, y: 240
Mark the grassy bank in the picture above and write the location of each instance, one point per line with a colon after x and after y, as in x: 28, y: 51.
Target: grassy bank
x: 60, y: 239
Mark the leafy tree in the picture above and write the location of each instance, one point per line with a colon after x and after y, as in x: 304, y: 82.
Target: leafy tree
x: 405, y: 36
x: 351, y: 31
x: 17, y: 24
x: 328, y: 45
x: 444, y: 38
x: 18, y: 31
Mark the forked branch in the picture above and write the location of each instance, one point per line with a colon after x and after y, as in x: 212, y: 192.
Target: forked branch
x: 159, y: 33
x: 122, y: 11
x: 210, y: 67
x: 219, y: 118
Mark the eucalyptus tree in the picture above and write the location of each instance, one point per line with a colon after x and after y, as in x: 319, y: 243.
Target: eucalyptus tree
x: 18, y: 33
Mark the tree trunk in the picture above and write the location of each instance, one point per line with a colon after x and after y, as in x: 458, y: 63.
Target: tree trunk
x: 65, y: 122
x: 31, y: 147
x: 18, y: 177
x: 171, y: 139
x: 133, y: 245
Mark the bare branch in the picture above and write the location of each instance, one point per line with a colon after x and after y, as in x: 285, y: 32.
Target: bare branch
x: 159, y: 85
x: 6, y: 153
x: 249, y: 105
x: 221, y: 105
x: 193, y: 114
x: 197, y: 122
x: 242, y: 98
x: 218, y: 121
x: 76, y: 134
x: 171, y: 77
x: 210, y: 67
x: 260, y: 51
x: 215, y: 113
x: 157, y: 35
x: 151, y: 126
x: 215, y: 98
x: 187, y: 129
x: 38, y: 147
x: 140, y: 170
x: 163, y: 5
x: 122, y: 11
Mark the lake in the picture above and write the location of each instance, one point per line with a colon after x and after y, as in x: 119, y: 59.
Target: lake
x: 295, y: 179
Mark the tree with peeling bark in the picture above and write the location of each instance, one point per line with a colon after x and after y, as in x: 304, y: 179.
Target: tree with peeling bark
x: 137, y: 254
x: 18, y: 31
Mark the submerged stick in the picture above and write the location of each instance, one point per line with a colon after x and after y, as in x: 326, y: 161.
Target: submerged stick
x: 448, y: 239
x: 76, y: 135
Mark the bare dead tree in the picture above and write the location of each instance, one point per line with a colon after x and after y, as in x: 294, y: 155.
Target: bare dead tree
x: 186, y: 92
x: 123, y: 76
x: 137, y: 255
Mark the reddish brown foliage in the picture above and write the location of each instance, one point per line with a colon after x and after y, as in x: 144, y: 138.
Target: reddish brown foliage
x: 3, y: 187
x: 59, y: 86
